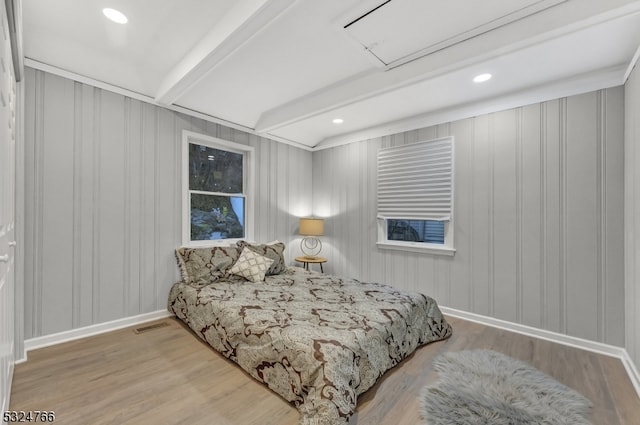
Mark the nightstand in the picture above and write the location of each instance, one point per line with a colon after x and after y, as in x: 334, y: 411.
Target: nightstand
x: 311, y: 260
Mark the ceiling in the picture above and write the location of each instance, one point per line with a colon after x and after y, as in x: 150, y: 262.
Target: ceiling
x: 287, y: 68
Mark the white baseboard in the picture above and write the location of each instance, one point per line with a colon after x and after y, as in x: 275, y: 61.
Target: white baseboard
x: 632, y: 371
x: 571, y: 341
x: 73, y: 334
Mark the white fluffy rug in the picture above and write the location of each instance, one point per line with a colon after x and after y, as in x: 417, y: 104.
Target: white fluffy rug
x: 482, y: 387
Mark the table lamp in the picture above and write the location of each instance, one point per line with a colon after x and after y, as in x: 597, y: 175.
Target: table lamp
x: 310, y: 228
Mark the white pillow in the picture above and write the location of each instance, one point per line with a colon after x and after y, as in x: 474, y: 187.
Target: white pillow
x: 251, y: 265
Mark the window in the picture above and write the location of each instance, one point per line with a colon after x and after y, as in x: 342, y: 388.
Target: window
x: 415, y: 197
x: 429, y: 231
x: 216, y: 190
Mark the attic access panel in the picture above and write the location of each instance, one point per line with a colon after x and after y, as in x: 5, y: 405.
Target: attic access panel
x: 397, y: 31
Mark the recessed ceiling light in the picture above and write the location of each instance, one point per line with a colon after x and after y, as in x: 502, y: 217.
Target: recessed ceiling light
x: 481, y: 78
x: 338, y: 121
x: 115, y: 15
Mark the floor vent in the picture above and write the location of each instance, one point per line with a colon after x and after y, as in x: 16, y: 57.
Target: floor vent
x: 150, y: 327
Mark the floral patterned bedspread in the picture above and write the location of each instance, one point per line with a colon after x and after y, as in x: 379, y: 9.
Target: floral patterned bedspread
x: 316, y: 340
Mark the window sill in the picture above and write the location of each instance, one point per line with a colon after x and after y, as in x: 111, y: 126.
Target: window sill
x: 418, y: 247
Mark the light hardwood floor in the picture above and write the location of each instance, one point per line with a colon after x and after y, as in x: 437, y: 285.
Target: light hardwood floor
x: 168, y: 376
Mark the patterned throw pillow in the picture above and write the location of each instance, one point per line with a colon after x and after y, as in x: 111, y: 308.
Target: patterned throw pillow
x: 273, y: 250
x: 205, y: 265
x: 251, y: 266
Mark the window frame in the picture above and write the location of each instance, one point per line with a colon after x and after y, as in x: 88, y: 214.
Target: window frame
x: 447, y: 248
x: 423, y: 247
x: 248, y: 186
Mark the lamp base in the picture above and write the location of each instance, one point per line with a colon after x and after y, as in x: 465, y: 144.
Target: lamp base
x: 310, y: 247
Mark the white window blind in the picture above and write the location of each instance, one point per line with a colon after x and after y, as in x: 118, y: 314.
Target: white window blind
x: 415, y: 181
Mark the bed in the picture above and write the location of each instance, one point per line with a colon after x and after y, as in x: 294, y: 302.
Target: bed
x: 316, y: 340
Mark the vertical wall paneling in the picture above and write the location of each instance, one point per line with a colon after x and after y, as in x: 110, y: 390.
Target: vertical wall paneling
x: 292, y: 187
x: 504, y: 201
x: 148, y: 253
x: 273, y: 190
x: 372, y: 261
x: 538, y: 202
x: 562, y: 259
x: 167, y: 187
x: 28, y: 215
x: 282, y: 175
x: 581, y: 211
x: 38, y: 224
x: 491, y: 222
x: 354, y: 186
x: 110, y: 204
x: 126, y: 207
x: 519, y: 165
x: 57, y: 211
x: 83, y: 259
x: 601, y: 183
x: 613, y: 227
x: 95, y: 210
x: 552, y: 252
x: 460, y: 287
x: 480, y: 230
x: 338, y: 168
x: 134, y: 197
x: 632, y: 215
x: 77, y: 207
x: 530, y: 217
x: 102, y: 204
x: 544, y: 323
x: 263, y: 182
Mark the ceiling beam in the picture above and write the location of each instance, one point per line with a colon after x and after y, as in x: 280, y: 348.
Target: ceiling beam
x: 245, y: 19
x: 538, y: 29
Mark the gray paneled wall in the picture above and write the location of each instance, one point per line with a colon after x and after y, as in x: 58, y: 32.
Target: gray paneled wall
x: 102, y: 204
x: 538, y: 216
x: 632, y: 215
